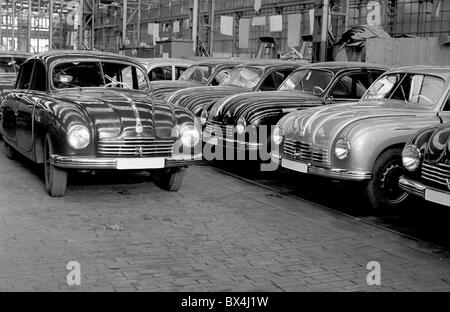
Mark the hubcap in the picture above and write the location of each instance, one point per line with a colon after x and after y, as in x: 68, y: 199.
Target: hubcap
x: 389, y: 183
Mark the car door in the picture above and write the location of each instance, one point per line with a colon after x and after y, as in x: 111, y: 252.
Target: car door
x: 26, y: 106
x: 10, y: 106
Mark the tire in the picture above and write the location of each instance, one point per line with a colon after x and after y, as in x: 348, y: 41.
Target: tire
x: 55, y: 178
x: 171, y: 179
x: 383, y: 191
x: 10, y: 152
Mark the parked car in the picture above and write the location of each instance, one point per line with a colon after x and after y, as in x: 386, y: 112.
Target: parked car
x: 208, y: 73
x: 9, y: 67
x: 314, y: 85
x: 426, y: 157
x: 250, y: 77
x: 363, y: 141
x: 80, y: 110
x: 165, y: 68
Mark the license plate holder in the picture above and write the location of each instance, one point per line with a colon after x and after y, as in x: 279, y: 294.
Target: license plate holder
x: 294, y: 165
x: 140, y: 163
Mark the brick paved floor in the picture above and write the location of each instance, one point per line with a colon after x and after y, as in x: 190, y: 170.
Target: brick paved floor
x: 217, y: 234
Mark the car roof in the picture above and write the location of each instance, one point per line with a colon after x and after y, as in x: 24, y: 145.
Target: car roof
x: 165, y: 61
x: 339, y: 66
x: 268, y: 64
x: 438, y: 70
x: 55, y: 54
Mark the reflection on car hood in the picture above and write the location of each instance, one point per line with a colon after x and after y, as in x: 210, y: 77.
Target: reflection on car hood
x: 116, y: 112
x: 319, y: 126
x: 162, y: 88
x: 257, y: 105
x: 195, y: 99
x: 434, y: 142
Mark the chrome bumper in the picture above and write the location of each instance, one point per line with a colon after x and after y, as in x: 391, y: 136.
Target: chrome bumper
x: 333, y: 173
x: 233, y: 144
x: 74, y: 162
x: 428, y: 193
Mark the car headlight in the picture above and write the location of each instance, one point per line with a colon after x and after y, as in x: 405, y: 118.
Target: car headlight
x: 240, y: 126
x: 189, y: 136
x: 78, y: 137
x: 204, y: 117
x: 342, y: 149
x: 411, y: 157
x: 278, y: 135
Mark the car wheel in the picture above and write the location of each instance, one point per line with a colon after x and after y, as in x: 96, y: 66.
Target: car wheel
x: 383, y: 190
x: 55, y: 178
x: 10, y: 152
x: 171, y: 179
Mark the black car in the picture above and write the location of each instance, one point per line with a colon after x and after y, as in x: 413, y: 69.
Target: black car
x: 310, y: 86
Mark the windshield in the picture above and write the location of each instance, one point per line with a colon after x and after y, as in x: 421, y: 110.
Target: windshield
x: 197, y: 73
x: 74, y: 74
x: 244, y: 77
x: 312, y: 81
x: 8, y: 65
x: 410, y: 88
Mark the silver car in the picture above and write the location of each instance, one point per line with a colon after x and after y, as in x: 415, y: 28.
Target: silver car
x: 363, y: 141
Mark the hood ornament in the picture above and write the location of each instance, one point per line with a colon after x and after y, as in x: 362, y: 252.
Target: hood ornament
x: 139, y: 128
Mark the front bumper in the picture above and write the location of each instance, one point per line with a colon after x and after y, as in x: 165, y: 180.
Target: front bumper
x: 425, y: 192
x: 232, y: 144
x: 333, y: 173
x: 144, y: 163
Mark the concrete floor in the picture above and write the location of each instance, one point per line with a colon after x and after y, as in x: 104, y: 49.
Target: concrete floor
x: 219, y: 233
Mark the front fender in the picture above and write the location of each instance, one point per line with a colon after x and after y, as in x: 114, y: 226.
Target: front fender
x: 369, y: 139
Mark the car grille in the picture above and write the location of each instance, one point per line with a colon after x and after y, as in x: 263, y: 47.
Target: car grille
x: 437, y: 173
x: 296, y: 150
x: 135, y: 147
x: 219, y: 129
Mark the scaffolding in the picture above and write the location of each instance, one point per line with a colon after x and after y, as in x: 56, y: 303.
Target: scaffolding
x: 40, y: 25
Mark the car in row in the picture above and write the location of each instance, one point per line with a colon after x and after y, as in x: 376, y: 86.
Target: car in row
x: 87, y: 111
x: 363, y: 141
x: 426, y: 158
x: 308, y: 86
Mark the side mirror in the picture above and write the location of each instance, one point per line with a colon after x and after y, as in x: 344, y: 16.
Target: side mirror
x: 12, y: 62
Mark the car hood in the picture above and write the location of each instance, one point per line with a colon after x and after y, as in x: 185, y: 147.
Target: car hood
x: 257, y: 105
x: 162, y: 88
x: 434, y: 142
x: 117, y: 113
x: 195, y: 99
x: 320, y: 126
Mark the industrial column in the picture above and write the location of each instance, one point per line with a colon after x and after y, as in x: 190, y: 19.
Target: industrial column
x: 124, y: 21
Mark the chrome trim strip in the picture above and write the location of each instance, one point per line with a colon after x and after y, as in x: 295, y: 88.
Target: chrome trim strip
x: 334, y: 173
x: 74, y: 162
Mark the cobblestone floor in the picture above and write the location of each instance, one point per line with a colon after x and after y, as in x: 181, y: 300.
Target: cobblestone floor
x: 217, y: 234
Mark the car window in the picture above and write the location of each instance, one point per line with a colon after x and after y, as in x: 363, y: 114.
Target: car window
x: 76, y: 74
x: 447, y: 105
x: 25, y: 76
x: 39, y: 79
x: 410, y: 88
x: 8, y: 65
x: 161, y: 73
x: 179, y: 70
x: 217, y: 79
x: 313, y: 81
x: 351, y: 86
x: 244, y: 77
x: 197, y: 73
